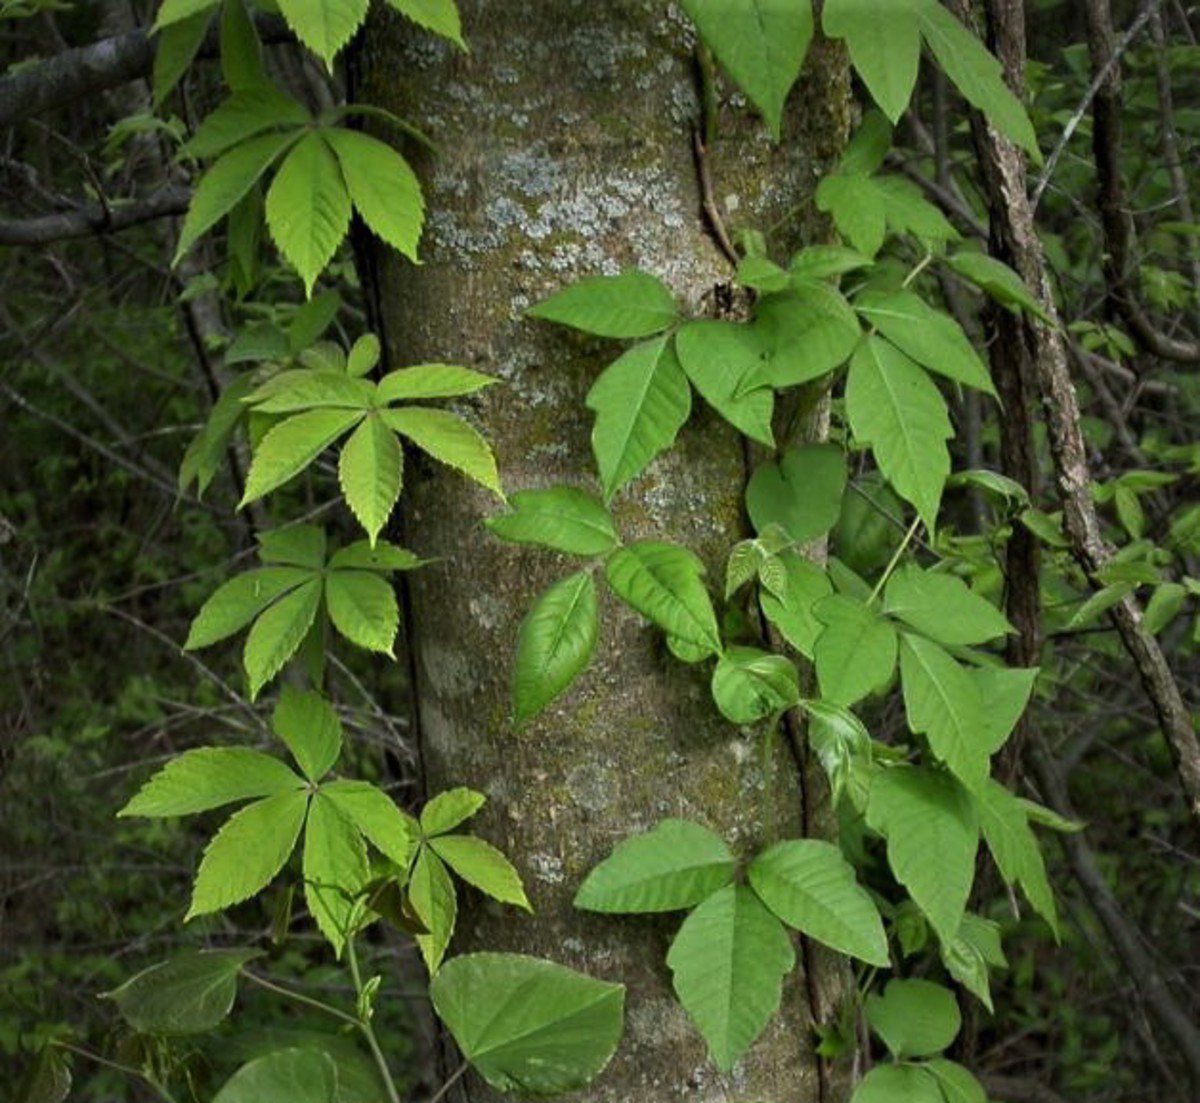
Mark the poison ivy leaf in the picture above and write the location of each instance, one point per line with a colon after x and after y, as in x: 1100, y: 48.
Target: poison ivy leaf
x: 664, y: 583
x: 728, y: 963
x: 439, y: 16
x: 286, y: 1076
x: 856, y: 653
x: 884, y: 43
x: 942, y: 607
x: 908, y: 212
x: 895, y: 407
x: 435, y: 903
x: 718, y: 357
x: 384, y: 189
x: 291, y: 446
x: 844, y: 749
x: 1004, y: 693
x: 807, y: 332
x: 673, y: 866
x: 559, y: 517
x: 231, y: 177
x: 791, y: 609
x: 641, y: 401
x: 189, y: 994
x: 250, y: 849
x: 816, y: 262
x: 370, y: 471
x: 857, y: 208
x: 448, y: 439
x: 801, y: 493
x: 975, y: 73
x: 363, y: 608
x: 555, y: 644
x: 760, y: 43
x: 762, y: 274
x: 896, y: 1083
x: 957, y: 1083
x: 943, y: 704
x: 931, y: 337
x: 335, y: 869
x: 324, y: 27
x: 810, y: 886
x: 208, y: 777
x: 632, y: 304
x: 275, y: 636
x: 176, y: 49
x: 528, y: 1025
x: 921, y: 813
x: 1004, y: 820
x: 974, y: 949
x: 749, y: 684
x: 375, y: 815
x: 310, y: 727
x: 307, y: 209
x: 482, y: 865
x: 915, y: 1018
x: 999, y: 281
x: 447, y: 810
x: 431, y: 381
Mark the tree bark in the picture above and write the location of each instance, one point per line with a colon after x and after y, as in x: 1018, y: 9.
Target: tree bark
x: 566, y: 149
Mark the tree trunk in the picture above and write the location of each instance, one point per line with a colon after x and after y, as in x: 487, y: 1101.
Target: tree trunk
x: 565, y: 149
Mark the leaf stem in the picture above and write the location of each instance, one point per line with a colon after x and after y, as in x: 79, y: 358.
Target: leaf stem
x: 912, y: 531
x: 364, y: 1025
x: 455, y: 1077
x: 116, y: 1066
x: 917, y: 270
x: 299, y: 997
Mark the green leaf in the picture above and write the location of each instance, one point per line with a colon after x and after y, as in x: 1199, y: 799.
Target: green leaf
x: 942, y: 607
x: 370, y: 471
x: 791, y: 610
x: 172, y: 11
x: 857, y: 208
x: 290, y: 392
x: 632, y: 304
x: 908, y: 212
x: 324, y: 27
x: 189, y: 994
x: 806, y: 332
x: 884, y: 43
x: 815, y: 262
x: 448, y: 439
x: 431, y: 381
x: 641, y: 401
x: 294, y: 545
x: 363, y: 608
x: 943, y: 704
x: 250, y: 849
x: 310, y: 727
x: 384, y: 189
x: 555, y: 644
x: 559, y: 517
x: 856, y: 653
x: 527, y: 1025
x: 47, y: 1079
x: 235, y: 603
x: 482, y: 865
x: 307, y: 209
x: 728, y: 962
x: 177, y: 47
x: 673, y: 866
x: 718, y: 357
x: 896, y: 408
x: 975, y: 73
x: 925, y: 812
x: 286, y: 1076
x: 931, y: 337
x: 439, y: 16
x: 915, y: 1018
x: 435, y: 903
x: 208, y: 777
x: 383, y: 558
x: 898, y: 1084
x: 810, y: 886
x: 447, y: 810
x: 242, y: 116
x: 277, y: 634
x: 957, y: 1083
x: 761, y: 44
x: 1003, y: 693
x: 291, y: 446
x: 801, y: 493
x: 1004, y: 820
x: 364, y: 356
x: 999, y: 281
x: 335, y: 869
x: 231, y: 177
x: 376, y: 817
x: 664, y: 582
x: 749, y: 684
x: 241, y: 50
x: 975, y: 948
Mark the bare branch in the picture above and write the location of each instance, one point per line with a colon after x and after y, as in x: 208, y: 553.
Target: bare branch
x: 97, y: 218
